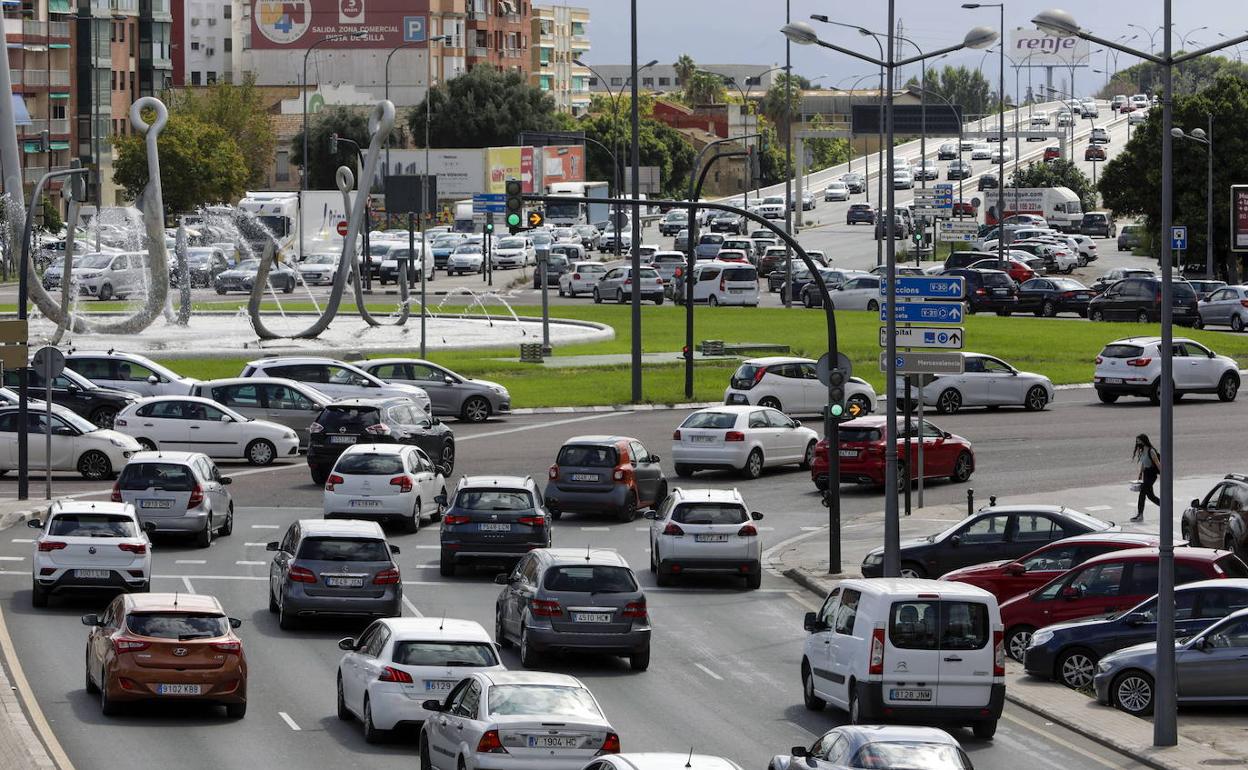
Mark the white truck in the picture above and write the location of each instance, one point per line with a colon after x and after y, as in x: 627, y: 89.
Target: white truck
x: 568, y: 214
x: 1059, y: 206
x: 279, y: 213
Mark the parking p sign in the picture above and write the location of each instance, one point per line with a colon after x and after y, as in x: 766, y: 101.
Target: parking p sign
x: 413, y: 29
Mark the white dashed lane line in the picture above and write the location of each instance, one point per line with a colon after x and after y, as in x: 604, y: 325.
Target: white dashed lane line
x: 264, y: 526
x: 595, y: 529
x: 251, y: 563
x: 22, y: 540
x: 709, y: 672
x: 12, y: 558
x: 1097, y: 507
x: 186, y: 581
x: 289, y: 722
x: 255, y: 545
x: 190, y: 561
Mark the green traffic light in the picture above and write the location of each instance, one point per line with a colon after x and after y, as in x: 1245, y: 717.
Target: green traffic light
x: 489, y: 227
x: 513, y: 220
x: 837, y: 410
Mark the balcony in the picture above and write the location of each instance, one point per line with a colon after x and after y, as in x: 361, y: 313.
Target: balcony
x: 54, y: 126
x: 40, y: 78
x: 478, y: 51
x: 59, y: 29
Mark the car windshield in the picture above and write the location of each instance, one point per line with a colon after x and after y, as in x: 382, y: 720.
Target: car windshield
x: 344, y: 549
x: 81, y: 423
x: 182, y: 626
x: 911, y: 756
x: 542, y: 700
x: 468, y: 248
x: 92, y: 525
x: 343, y: 419
x: 588, y: 455
x: 446, y: 241
x: 248, y: 265
x: 169, y: 477
x: 1183, y: 290
x: 94, y: 261
x: 422, y: 653
x: 368, y: 464
x: 541, y: 239
x: 494, y: 500
x: 997, y: 279
x: 859, y: 435
x: 321, y: 259
x: 712, y: 420
x: 709, y: 513
x: 198, y: 256
x: 591, y: 579
x: 1067, y: 284
x: 511, y: 243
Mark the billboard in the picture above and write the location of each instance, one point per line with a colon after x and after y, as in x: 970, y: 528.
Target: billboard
x: 908, y: 119
x: 1031, y: 47
x: 297, y: 24
x: 564, y: 163
x: 503, y: 163
x: 1239, y: 217
x: 460, y: 173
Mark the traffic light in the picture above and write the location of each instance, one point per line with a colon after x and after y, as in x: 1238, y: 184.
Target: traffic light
x: 514, y: 206
x: 489, y: 227
x: 536, y: 218
x: 836, y: 393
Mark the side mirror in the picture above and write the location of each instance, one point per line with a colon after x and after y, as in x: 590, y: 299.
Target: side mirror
x: 655, y: 458
x: 811, y: 623
x: 226, y: 418
x: 91, y: 620
x: 502, y: 579
x: 317, y: 407
x: 440, y: 499
x: 432, y: 705
x: 1071, y: 592
x: 346, y: 644
x: 445, y: 470
x: 235, y: 623
x: 153, y: 379
x: 1135, y: 619
x: 756, y: 516
x: 947, y: 434
x: 1195, y: 503
x: 449, y: 380
x: 955, y: 541
x: 1014, y: 568
x: 796, y: 424
x: 798, y: 751
x: 34, y: 524
x: 394, y: 549
x: 274, y: 546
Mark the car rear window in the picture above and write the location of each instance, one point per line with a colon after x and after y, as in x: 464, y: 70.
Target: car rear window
x: 1183, y: 290
x: 348, y: 419
x: 1232, y: 566
x: 369, y: 464
x: 911, y: 756
x: 1122, y: 351
x: 494, y: 500
x: 169, y: 477
x: 859, y: 435
x: 344, y: 549
x: 709, y: 513
x: 544, y: 699
x: 92, y: 525
x: 590, y: 578
x: 177, y: 625
x: 740, y: 274
x: 997, y: 279
x: 712, y: 420
x: 421, y: 653
x: 938, y: 625
x: 588, y: 455
x: 1092, y: 523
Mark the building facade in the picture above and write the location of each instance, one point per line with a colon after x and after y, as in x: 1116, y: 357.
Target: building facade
x: 202, y: 41
x: 560, y: 35
x: 662, y: 78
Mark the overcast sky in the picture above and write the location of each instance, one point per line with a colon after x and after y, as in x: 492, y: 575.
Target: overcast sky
x: 747, y: 31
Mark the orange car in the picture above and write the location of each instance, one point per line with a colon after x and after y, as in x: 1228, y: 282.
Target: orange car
x: 166, y: 647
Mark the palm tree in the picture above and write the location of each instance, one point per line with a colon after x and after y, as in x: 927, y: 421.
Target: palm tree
x: 685, y: 67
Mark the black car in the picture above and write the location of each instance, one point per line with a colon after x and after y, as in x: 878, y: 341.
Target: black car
x: 860, y: 212
x: 1098, y: 223
x: 556, y: 265
x: 987, y: 290
x: 75, y: 392
x: 1069, y: 652
x: 967, y: 258
x: 988, y: 182
x: 378, y: 421
x: 1049, y: 296
x: 728, y: 222
x: 492, y: 520
x: 947, y: 152
x: 1139, y: 299
x: 992, y: 534
x: 203, y: 265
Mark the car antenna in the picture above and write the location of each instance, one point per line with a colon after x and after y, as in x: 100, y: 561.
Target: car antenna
x: 587, y: 550
x: 442, y: 622
x: 689, y: 761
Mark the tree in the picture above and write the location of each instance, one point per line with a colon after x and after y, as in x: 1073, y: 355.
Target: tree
x: 704, y: 88
x: 1189, y: 77
x: 1056, y: 173
x: 659, y: 144
x: 346, y: 123
x: 685, y: 67
x: 961, y: 86
x: 52, y: 222
x: 826, y: 152
x: 199, y: 164
x: 239, y: 110
x: 484, y: 107
x: 775, y: 101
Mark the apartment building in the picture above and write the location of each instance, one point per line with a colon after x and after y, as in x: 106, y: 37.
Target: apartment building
x: 754, y: 79
x: 203, y: 41
x: 560, y: 35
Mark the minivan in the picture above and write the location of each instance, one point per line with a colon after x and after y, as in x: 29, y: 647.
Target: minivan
x: 910, y: 649
x: 725, y: 283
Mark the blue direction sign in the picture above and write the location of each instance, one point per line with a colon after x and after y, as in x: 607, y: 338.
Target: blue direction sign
x: 925, y: 287
x: 924, y: 312
x: 489, y: 203
x: 1178, y: 238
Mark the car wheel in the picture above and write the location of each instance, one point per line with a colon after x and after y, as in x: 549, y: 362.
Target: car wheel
x: 319, y: 476
x: 147, y: 444
x: 1237, y: 323
x: 38, y: 595
x: 475, y: 409
x: 619, y: 297
x: 949, y: 402
x: 873, y: 306
x: 261, y: 452
x: 371, y: 733
x: 528, y: 655
x: 1132, y: 691
x: 344, y: 713
x: 660, y: 494
x: 629, y: 511
x: 1037, y: 399
x: 221, y: 291
x: 446, y: 564
x: 227, y: 527
x: 753, y: 467
x: 1189, y: 535
x: 859, y: 402
x: 807, y: 301
x: 770, y: 402
x: 855, y: 709
x: 286, y: 620
x: 1106, y: 397
x: 562, y: 293
x: 1141, y: 317
x: 808, y: 457
x: 425, y: 762
x: 204, y: 538
x: 1198, y: 322
x: 500, y: 637
x: 95, y: 466
x: 1017, y: 640
x: 108, y: 707
x: 273, y: 608
x: 412, y: 523
x: 88, y: 684
x: 106, y: 293
x: 1228, y: 387
x: 104, y: 416
x: 448, y: 456
x: 1075, y: 668
x: 597, y: 297
x: 984, y: 729
x: 236, y: 710
x: 912, y: 569
x: 684, y: 471
x: 812, y: 702
x: 713, y: 301
x: 1049, y: 310
x: 754, y: 580
x: 1097, y: 315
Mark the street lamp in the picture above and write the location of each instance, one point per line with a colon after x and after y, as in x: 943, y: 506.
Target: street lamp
x: 1184, y: 37
x: 1205, y: 137
x: 1152, y: 34
x: 978, y: 38
x: 745, y: 102
x: 1000, y: 127
x: 1062, y: 24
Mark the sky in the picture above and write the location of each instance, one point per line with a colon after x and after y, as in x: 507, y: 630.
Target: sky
x: 747, y: 31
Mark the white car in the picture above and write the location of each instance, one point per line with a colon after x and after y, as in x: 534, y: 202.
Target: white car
x: 88, y: 546
x: 1099, y: 135
x: 1002, y: 154
x: 660, y: 760
x: 836, y: 191
x: 860, y: 293
x: 390, y: 482
x: 705, y: 530
x: 385, y: 674
x: 581, y: 278
x: 466, y: 258
x: 1137, y: 117
x: 514, y: 251
x: 985, y: 381
x: 1132, y: 367
x: 388, y: 271
x: 792, y: 385
x: 771, y: 207
x: 319, y: 269
x: 1140, y: 102
x: 193, y: 424
x: 334, y: 378
x: 127, y: 371
x: 746, y: 439
x: 723, y: 283
x: 903, y: 180
x: 77, y: 444
x: 1086, y: 248
x: 513, y: 719
x: 981, y: 151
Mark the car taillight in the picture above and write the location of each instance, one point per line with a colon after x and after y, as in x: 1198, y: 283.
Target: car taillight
x: 980, y: 290
x: 392, y: 674
x: 876, y: 667
x: 333, y: 480
x: 197, y: 497
x: 576, y: 276
x: 490, y: 743
x: 301, y: 575
x: 1244, y: 302
x: 659, y: 281
x: 722, y: 286
x: 734, y: 435
x: 747, y: 531
x: 380, y: 429
x: 1157, y: 297
x: 315, y: 427
x: 1099, y: 360
x: 545, y: 608
x: 634, y: 609
x: 758, y: 374
x: 386, y: 577
x: 231, y: 648
x: 404, y: 483
x: 135, y: 548
x: 125, y: 644
x: 673, y: 529
x: 116, y: 496
x: 998, y: 653
x: 532, y: 521
x: 51, y: 545
x: 1067, y: 295
x: 552, y: 472
x: 455, y: 518
x: 1139, y: 362
x: 611, y: 745
x: 676, y: 435
x: 622, y: 474
x: 627, y: 281
x: 119, y: 422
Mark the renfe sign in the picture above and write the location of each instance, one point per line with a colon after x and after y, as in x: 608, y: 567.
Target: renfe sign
x: 1047, y: 50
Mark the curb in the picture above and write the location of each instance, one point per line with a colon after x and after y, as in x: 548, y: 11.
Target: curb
x: 613, y: 408
x: 13, y: 518
x: 1134, y: 752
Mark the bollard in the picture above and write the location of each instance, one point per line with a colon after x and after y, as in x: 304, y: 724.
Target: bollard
x: 992, y: 501
x: 531, y: 352
x: 970, y: 502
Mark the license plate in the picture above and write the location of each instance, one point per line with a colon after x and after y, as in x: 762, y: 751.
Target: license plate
x: 155, y: 503
x: 552, y: 742
x: 439, y: 685
x: 848, y: 453
x: 1113, y: 380
x: 999, y: 292
x: 344, y: 582
x: 710, y: 538
x: 703, y: 439
x: 92, y: 574
x: 343, y: 439
x: 591, y: 617
x: 178, y: 689
x: 365, y: 503
x: 910, y: 694
x: 494, y: 527
x: 584, y: 476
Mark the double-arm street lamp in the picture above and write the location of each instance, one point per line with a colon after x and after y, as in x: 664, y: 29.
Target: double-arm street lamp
x: 1062, y: 24
x: 731, y: 80
x: 979, y: 37
x: 1205, y: 137
x: 1001, y: 146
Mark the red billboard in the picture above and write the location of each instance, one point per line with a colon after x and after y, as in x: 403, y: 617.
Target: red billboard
x: 297, y: 24
x: 562, y: 163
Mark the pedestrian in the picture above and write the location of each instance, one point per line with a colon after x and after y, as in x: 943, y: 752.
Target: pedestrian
x: 1145, y: 454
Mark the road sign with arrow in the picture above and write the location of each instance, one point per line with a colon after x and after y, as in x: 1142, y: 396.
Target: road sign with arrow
x: 948, y: 338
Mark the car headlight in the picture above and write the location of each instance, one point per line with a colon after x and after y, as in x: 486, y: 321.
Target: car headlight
x: 499, y: 390
x: 291, y: 434
x: 1103, y: 666
x: 1041, y: 637
x: 118, y: 443
x: 873, y: 560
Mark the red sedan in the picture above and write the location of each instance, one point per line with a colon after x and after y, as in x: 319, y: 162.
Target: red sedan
x: 1016, y: 268
x: 1052, y: 153
x: 1094, y: 152
x: 1007, y: 579
x: 862, y: 454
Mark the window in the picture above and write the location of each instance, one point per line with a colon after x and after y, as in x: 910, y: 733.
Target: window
x: 647, y: 82
x: 912, y: 625
x: 1189, y: 573
x: 238, y: 396
x: 227, y: 12
x: 988, y: 529
x: 195, y: 79
x: 847, y: 612
x: 1230, y: 635
x: 1052, y: 560
x: 964, y: 626
x: 227, y: 44
x: 827, y: 612
x: 591, y: 579
x: 778, y: 419
x: 1036, y: 528
x: 1143, y: 579
x: 1099, y: 580
x: 423, y: 653
x: 194, y: 45
x: 285, y: 397
x: 281, y: 165
x: 465, y: 704
x: 1218, y: 602
x: 638, y: 452
x: 665, y: 81
x: 759, y: 420
x: 709, y: 513
x: 587, y: 455
x: 343, y: 549
x: 617, y: 81
x: 211, y: 78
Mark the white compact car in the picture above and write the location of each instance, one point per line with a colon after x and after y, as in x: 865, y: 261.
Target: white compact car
x: 77, y: 444
x: 1132, y: 367
x: 392, y: 482
x: 385, y: 675
x: 858, y: 293
x: 705, y: 531
x: 335, y: 378
x: 466, y: 258
x: 515, y: 251
x: 985, y: 381
x: 115, y: 369
x: 85, y: 546
x: 746, y: 439
x: 193, y: 424
x: 512, y: 719
x: 792, y: 385
x: 319, y: 269
x: 836, y: 191
x: 581, y: 278
x: 907, y: 649
x: 724, y: 283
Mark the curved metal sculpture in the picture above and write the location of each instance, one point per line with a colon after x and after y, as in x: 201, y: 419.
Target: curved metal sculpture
x: 74, y: 192
x: 379, y: 125
x: 346, y: 180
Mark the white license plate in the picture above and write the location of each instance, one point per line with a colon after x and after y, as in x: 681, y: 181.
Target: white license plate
x: 1113, y: 380
x: 439, y: 685
x: 848, y: 453
x: 591, y: 617
x: 178, y: 689
x: 1000, y: 292
x: 552, y: 742
x: 92, y: 574
x: 344, y: 582
x: 703, y: 439
x: 710, y: 538
x: 343, y: 439
x: 365, y: 503
x: 584, y: 476
x: 910, y: 694
x: 155, y: 503
x: 494, y: 527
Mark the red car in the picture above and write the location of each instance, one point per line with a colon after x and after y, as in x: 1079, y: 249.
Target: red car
x: 1016, y: 268
x: 965, y: 209
x: 1006, y: 579
x: 1052, y: 153
x: 862, y: 454
x: 1094, y: 152
x: 1111, y: 582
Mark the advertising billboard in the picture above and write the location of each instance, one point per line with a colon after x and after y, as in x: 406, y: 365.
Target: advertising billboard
x: 1239, y: 217
x: 564, y: 163
x: 297, y: 24
x: 460, y: 173
x: 503, y: 163
x: 1031, y: 47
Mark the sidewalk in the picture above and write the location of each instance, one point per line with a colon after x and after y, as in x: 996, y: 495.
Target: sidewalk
x: 14, y: 512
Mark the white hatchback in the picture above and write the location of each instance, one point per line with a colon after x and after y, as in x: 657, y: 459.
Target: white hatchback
x: 985, y: 381
x: 77, y: 444
x: 386, y: 673
x: 392, y: 482
x: 746, y: 439
x: 581, y: 278
x: 85, y: 546
x: 725, y: 283
x: 193, y: 424
x: 792, y: 385
x: 705, y: 531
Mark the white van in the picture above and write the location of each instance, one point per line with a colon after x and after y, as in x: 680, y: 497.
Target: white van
x: 725, y: 283
x: 914, y: 650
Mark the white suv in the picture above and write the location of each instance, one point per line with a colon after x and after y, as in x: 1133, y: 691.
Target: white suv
x: 705, y: 530
x: 1132, y: 367
x: 791, y: 385
x: 86, y: 546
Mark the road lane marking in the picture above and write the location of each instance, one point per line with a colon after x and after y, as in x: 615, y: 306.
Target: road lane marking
x: 551, y: 424
x: 265, y: 526
x: 255, y: 545
x: 425, y: 547
x: 186, y: 581
x: 709, y: 672
x: 766, y: 529
x: 638, y: 529
x: 289, y: 722
x: 1097, y: 507
x: 810, y: 529
x: 12, y: 558
x: 595, y: 529
x: 1064, y: 743
x: 22, y: 540
x: 191, y: 561
x: 251, y: 563
x: 408, y: 604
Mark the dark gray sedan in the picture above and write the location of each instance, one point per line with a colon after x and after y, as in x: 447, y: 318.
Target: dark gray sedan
x: 449, y: 393
x: 243, y: 276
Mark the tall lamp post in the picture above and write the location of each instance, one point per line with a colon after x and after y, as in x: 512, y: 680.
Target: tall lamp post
x: 1205, y: 137
x: 1062, y: 24
x: 979, y: 37
x: 1000, y: 126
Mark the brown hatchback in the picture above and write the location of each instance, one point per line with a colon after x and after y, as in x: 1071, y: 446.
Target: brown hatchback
x: 1220, y: 520
x: 165, y: 647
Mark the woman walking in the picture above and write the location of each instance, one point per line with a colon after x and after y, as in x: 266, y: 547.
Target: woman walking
x: 1146, y: 456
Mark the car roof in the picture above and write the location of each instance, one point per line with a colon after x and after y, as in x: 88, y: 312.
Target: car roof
x: 171, y: 602
x: 341, y: 528
x: 434, y: 628
x: 1185, y: 553
x: 732, y: 408
x: 194, y: 399
x: 296, y: 360
x: 361, y: 363
x: 597, y: 439
x: 166, y: 456
x: 776, y: 360
x: 655, y: 760
x: 892, y: 585
x: 530, y: 677
x: 1238, y: 584
x: 68, y: 506
x: 587, y: 555
x: 1143, y: 539
x: 361, y: 401
x: 897, y: 733
x: 381, y: 449
x: 508, y: 482
x: 708, y: 494
x: 256, y: 381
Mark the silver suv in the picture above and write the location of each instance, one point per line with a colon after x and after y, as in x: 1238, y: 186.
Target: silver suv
x: 1132, y: 367
x: 450, y: 393
x: 334, y: 378
x: 177, y: 492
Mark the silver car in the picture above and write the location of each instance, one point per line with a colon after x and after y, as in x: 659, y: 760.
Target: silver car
x: 449, y: 393
x: 1227, y: 306
x: 335, y: 378
x: 853, y: 746
x: 177, y: 492
x: 617, y: 285
x: 286, y: 402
